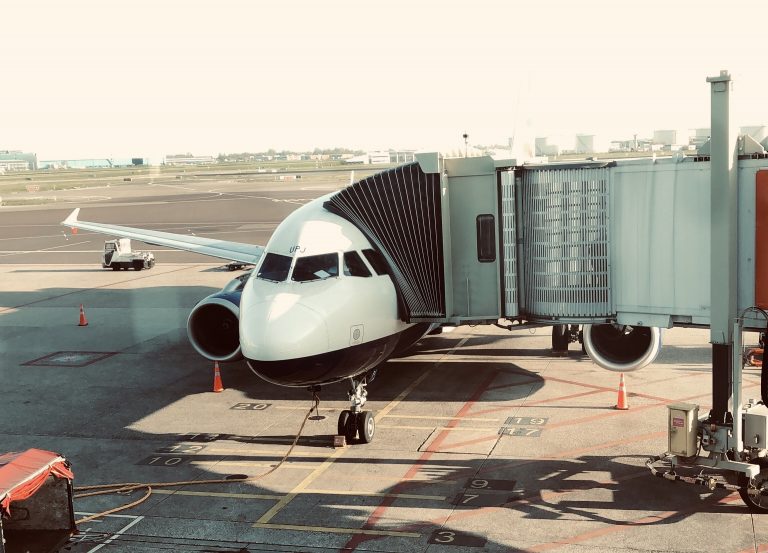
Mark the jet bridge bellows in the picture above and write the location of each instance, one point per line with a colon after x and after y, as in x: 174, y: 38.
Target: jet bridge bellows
x: 399, y: 211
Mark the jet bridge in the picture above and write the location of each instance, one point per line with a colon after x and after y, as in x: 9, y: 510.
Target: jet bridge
x: 474, y: 240
x: 637, y: 244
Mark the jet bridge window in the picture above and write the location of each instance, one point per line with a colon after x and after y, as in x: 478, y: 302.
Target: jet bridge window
x: 275, y: 267
x: 316, y: 267
x: 354, y: 265
x: 486, y: 239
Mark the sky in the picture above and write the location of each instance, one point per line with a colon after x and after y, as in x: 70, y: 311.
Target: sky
x: 115, y: 78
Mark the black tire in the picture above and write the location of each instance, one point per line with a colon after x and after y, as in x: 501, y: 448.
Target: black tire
x: 115, y: 267
x: 342, y: 426
x: 560, y: 338
x: 350, y: 428
x: 759, y: 503
x: 366, y: 426
x: 138, y: 265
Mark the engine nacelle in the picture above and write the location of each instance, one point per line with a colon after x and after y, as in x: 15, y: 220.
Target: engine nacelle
x: 213, y: 326
x: 622, y: 348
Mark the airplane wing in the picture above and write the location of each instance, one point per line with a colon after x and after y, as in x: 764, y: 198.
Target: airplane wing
x: 233, y: 251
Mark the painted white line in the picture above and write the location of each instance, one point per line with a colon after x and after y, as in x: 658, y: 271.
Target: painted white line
x: 116, y: 534
x: 47, y: 249
x: 428, y: 417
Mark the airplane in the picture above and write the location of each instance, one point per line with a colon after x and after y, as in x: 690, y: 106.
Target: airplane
x: 320, y: 306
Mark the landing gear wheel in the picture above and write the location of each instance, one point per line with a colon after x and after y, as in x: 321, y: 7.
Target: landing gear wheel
x: 342, y: 426
x: 366, y: 426
x: 350, y: 427
x: 756, y: 503
x: 560, y: 338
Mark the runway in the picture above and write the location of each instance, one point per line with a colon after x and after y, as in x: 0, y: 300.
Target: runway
x: 238, y: 210
x: 485, y: 442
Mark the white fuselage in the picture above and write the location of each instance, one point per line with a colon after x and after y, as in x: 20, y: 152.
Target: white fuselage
x: 303, y: 300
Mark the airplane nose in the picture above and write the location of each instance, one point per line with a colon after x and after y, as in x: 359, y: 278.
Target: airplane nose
x: 271, y: 331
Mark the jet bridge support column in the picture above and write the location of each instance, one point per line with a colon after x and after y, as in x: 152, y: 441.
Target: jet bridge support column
x: 724, y: 159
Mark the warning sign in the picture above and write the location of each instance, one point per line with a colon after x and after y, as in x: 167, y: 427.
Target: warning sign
x: 678, y: 422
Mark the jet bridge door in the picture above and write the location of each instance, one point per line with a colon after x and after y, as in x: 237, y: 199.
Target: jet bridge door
x: 471, y: 189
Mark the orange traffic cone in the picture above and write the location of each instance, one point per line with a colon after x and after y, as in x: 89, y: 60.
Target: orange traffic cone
x: 622, y: 403
x: 83, y: 320
x: 217, y: 385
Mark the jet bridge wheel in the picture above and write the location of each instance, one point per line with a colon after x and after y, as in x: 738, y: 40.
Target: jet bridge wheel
x: 756, y: 503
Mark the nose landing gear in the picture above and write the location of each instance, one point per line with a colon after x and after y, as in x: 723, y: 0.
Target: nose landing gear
x: 355, y: 423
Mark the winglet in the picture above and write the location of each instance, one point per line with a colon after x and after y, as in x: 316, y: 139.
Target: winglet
x: 72, y: 219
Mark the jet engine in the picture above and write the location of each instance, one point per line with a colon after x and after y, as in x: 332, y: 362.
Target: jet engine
x: 213, y: 325
x: 622, y: 348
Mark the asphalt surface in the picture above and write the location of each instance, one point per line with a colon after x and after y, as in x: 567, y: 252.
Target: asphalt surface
x: 485, y: 441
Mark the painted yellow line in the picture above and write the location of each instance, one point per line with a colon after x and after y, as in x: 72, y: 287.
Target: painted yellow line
x: 266, y: 517
x: 252, y: 464
x: 447, y: 428
x: 304, y: 408
x: 328, y: 462
x: 378, y: 494
x: 401, y: 396
x: 428, y: 417
x: 392, y: 533
x: 306, y: 492
x: 276, y: 453
x: 218, y: 494
x: 289, y: 440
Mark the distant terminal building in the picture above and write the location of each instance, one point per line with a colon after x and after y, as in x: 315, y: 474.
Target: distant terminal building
x: 402, y: 156
x: 384, y: 157
x: 10, y: 165
x: 16, y: 160
x: 189, y: 159
x: 95, y: 163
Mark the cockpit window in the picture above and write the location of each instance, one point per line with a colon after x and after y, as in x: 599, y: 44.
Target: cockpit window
x: 275, y: 267
x: 377, y: 261
x: 316, y: 267
x: 354, y: 266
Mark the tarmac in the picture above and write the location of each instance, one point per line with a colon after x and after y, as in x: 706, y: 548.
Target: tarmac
x: 484, y: 440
